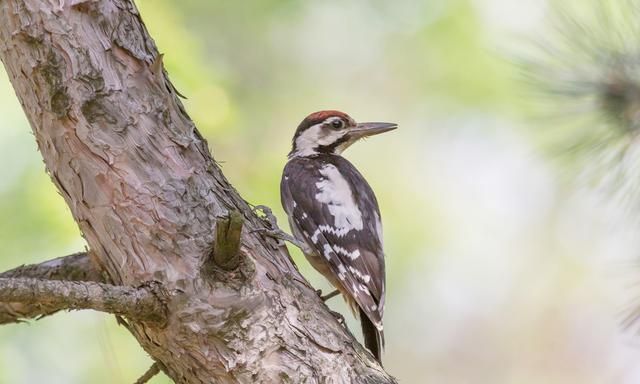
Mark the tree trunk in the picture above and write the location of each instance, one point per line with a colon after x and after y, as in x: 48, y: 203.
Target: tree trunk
x: 146, y: 194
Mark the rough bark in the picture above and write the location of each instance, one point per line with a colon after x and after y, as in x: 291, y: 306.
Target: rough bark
x: 76, y: 267
x: 140, y: 304
x: 146, y: 194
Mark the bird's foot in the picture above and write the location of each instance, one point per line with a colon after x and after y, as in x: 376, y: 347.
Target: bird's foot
x: 267, y: 215
x: 277, y: 234
x: 281, y: 235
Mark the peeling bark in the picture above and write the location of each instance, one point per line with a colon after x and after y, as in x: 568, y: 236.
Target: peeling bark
x: 146, y: 194
x: 140, y: 304
x: 76, y: 267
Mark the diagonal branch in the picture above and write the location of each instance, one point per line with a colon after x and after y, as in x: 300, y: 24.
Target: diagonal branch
x: 76, y: 267
x: 149, y: 374
x: 147, y: 195
x: 140, y: 304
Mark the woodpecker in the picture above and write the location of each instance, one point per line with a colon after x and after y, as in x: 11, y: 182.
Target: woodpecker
x: 334, y: 214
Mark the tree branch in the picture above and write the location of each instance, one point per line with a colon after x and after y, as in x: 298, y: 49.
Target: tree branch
x: 147, y: 194
x: 227, y: 246
x: 153, y: 370
x: 139, y: 304
x: 76, y: 267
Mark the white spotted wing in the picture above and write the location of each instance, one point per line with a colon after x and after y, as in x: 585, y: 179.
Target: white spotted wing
x: 333, y: 209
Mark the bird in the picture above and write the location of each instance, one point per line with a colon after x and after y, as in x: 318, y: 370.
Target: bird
x: 334, y: 215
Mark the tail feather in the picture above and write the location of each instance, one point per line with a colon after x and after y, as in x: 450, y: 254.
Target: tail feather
x: 373, y: 338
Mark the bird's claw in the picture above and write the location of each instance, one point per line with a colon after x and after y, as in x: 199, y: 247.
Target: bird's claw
x: 281, y: 235
x: 277, y: 234
x: 270, y: 219
x: 268, y: 215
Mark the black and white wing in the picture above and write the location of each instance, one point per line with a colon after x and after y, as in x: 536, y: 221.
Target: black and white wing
x: 333, y: 209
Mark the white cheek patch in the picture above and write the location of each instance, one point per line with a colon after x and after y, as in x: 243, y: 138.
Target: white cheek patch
x: 335, y: 193
x: 330, y: 136
x: 313, y: 137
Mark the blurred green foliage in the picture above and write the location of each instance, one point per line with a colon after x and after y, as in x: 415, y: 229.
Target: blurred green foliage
x: 494, y: 270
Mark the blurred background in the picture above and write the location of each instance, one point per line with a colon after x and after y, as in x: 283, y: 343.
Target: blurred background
x: 506, y: 264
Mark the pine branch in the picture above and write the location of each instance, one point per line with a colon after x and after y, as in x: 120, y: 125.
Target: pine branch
x: 75, y: 267
x: 140, y: 304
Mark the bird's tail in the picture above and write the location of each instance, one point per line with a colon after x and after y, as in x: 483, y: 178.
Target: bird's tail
x: 373, y: 338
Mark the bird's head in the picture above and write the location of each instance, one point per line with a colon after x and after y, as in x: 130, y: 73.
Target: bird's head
x: 331, y: 132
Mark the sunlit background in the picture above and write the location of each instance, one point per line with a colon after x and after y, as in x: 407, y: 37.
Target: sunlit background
x: 501, y: 269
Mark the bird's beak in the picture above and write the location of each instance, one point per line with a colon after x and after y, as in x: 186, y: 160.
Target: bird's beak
x: 369, y: 129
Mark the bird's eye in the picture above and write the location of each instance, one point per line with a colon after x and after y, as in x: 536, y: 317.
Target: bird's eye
x: 337, y: 124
